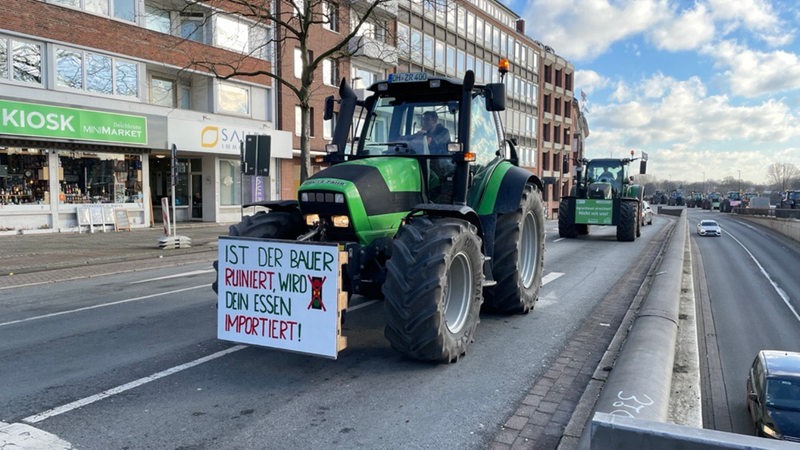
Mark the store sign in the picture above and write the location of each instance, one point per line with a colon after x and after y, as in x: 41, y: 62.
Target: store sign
x: 29, y: 119
x: 224, y: 138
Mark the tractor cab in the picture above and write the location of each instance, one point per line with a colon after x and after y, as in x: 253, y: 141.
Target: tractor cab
x: 605, y: 177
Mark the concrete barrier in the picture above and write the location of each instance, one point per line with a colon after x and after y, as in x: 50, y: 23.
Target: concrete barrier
x: 787, y: 227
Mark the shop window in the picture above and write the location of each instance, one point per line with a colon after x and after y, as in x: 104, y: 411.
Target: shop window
x: 86, y: 177
x: 230, y: 186
x: 24, y: 176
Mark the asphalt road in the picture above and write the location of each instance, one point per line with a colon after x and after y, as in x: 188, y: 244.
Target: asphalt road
x: 131, y: 361
x: 747, y: 288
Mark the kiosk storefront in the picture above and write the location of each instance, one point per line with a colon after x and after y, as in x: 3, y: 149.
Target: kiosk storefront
x: 54, y: 159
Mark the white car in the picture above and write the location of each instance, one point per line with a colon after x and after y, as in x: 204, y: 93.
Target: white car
x: 709, y: 228
x: 647, y: 213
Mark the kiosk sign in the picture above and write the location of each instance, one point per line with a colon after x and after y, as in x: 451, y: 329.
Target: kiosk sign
x: 280, y: 294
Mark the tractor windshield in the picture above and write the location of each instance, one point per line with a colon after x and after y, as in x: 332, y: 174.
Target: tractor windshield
x: 398, y: 127
x: 605, y: 171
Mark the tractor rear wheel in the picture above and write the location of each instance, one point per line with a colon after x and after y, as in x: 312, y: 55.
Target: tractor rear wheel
x: 433, y: 289
x: 269, y: 225
x: 626, y: 227
x: 566, y: 221
x: 518, y: 257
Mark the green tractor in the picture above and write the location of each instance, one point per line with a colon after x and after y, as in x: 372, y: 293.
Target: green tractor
x: 436, y: 219
x: 604, y: 194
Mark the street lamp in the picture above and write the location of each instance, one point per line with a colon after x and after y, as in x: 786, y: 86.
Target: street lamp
x: 740, y: 181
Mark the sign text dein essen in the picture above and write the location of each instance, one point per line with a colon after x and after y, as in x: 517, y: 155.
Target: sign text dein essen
x: 278, y: 294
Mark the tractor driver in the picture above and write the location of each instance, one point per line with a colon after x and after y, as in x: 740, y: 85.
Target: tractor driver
x: 607, y: 176
x: 436, y: 134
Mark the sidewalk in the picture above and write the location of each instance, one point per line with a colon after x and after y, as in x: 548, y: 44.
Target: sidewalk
x: 48, y: 257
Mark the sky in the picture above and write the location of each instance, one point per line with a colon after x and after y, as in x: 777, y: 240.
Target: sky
x: 708, y: 88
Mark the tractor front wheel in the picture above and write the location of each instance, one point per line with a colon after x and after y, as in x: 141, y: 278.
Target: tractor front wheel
x: 433, y: 289
x: 268, y: 225
x: 518, y: 257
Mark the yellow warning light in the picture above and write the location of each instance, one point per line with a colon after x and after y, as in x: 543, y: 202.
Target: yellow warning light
x: 503, y: 66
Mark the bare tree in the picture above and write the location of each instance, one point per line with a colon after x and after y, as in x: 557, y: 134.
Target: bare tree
x: 291, y: 23
x: 782, y: 175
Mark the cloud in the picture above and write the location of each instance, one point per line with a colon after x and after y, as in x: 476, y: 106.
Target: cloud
x: 587, y: 28
x: 685, y: 31
x: 685, y: 130
x: 589, y: 80
x: 752, y: 73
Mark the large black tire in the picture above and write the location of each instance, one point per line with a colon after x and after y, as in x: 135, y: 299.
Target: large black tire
x: 433, y: 289
x: 566, y: 221
x: 272, y: 225
x: 518, y: 257
x: 626, y: 227
x: 639, y: 219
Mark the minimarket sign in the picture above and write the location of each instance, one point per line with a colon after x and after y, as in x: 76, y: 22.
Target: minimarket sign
x: 30, y: 119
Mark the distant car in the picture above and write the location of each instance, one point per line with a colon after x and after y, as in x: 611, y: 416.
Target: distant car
x: 773, y: 394
x: 709, y: 228
x: 647, y: 213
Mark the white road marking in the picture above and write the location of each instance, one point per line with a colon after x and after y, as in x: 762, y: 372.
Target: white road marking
x: 362, y: 305
x: 558, y: 240
x: 552, y: 276
x: 127, y: 386
x: 87, y: 308
x: 177, y: 275
x: 775, y: 286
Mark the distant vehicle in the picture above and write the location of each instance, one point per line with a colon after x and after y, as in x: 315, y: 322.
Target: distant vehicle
x: 709, y: 227
x: 773, y: 394
x: 791, y: 200
x: 647, y: 213
x: 731, y: 201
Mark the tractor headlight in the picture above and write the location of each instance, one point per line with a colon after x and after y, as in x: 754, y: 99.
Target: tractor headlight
x: 312, y: 219
x: 304, y: 196
x: 340, y: 221
x: 339, y: 198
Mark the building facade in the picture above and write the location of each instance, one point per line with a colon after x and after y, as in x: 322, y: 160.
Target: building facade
x: 111, y: 102
x: 94, y: 95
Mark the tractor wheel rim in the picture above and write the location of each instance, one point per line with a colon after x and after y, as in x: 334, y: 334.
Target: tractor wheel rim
x: 458, y: 293
x: 528, y: 251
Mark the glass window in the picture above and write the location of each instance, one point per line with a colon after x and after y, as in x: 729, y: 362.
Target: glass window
x: 69, y: 68
x: 327, y: 127
x: 416, y: 45
x: 460, y: 63
x: 470, y: 25
x: 330, y: 72
x: 298, y: 64
x: 97, y: 6
x: 126, y: 78
x: 99, y: 177
x: 24, y: 176
x: 73, y: 3
x: 479, y: 31
x: 26, y: 61
x: 451, y: 61
x: 98, y: 74
x: 4, y: 58
x: 403, y: 39
x: 330, y: 11
x: 230, y: 191
x: 157, y: 19
x: 233, y: 99
x: 162, y: 92
x: 125, y: 10
x: 427, y: 50
x: 298, y: 121
x: 191, y: 27
x: 440, y: 61
x: 231, y: 34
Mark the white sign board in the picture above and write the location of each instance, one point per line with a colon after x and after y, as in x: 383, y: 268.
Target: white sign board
x: 280, y: 294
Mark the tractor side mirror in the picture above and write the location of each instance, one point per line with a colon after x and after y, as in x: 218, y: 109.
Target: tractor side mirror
x: 495, y: 97
x: 643, y: 167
